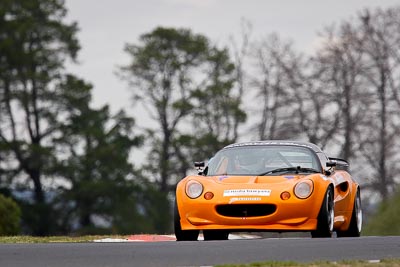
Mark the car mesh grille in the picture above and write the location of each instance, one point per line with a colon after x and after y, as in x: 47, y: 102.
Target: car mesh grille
x: 246, y: 210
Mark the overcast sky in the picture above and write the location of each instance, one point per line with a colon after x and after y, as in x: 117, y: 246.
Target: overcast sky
x: 107, y: 25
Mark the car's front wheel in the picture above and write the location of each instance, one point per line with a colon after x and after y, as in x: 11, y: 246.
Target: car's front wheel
x: 326, y: 216
x: 183, y: 235
x: 355, y: 221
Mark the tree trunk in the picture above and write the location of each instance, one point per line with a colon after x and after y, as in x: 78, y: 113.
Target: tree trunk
x: 41, y: 208
x: 165, y: 157
x: 383, y: 185
x: 347, y: 146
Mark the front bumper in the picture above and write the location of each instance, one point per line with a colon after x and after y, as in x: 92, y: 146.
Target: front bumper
x: 288, y: 215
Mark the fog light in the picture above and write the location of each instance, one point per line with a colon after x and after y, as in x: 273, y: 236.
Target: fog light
x: 285, y: 195
x: 208, y: 195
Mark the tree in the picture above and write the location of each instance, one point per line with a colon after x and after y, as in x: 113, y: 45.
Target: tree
x: 217, y: 105
x: 240, y: 54
x: 384, y: 221
x: 186, y: 85
x: 102, y: 185
x: 184, y: 80
x: 358, y: 66
x: 315, y: 114
x: 10, y: 216
x: 163, y: 71
x: 216, y: 113
x: 338, y: 70
x: 34, y: 43
x: 379, y: 44
x: 274, y: 83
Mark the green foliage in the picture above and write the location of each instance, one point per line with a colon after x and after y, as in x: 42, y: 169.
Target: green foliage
x: 191, y: 89
x: 10, y: 215
x: 345, y: 263
x: 103, y: 185
x: 54, y: 239
x: 164, y: 70
x: 386, y: 220
x: 49, y: 132
x: 34, y: 44
x: 185, y: 83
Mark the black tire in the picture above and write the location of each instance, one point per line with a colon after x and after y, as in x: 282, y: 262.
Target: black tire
x: 215, y: 235
x: 355, y: 221
x: 325, y: 217
x: 183, y: 235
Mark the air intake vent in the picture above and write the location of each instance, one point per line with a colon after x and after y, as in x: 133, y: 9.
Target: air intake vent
x: 246, y: 210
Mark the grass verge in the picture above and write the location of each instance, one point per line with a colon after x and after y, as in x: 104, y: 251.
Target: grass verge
x: 345, y: 263
x: 55, y: 239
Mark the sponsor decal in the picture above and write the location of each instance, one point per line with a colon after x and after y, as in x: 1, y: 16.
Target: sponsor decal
x: 247, y: 192
x: 222, y: 178
x: 289, y: 177
x: 234, y: 199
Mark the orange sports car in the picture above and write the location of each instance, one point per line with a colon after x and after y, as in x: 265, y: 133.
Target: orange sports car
x: 268, y: 186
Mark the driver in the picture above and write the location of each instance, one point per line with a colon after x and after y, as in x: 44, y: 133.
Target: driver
x: 252, y: 163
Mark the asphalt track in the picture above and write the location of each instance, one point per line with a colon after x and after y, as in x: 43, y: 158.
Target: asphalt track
x: 200, y: 253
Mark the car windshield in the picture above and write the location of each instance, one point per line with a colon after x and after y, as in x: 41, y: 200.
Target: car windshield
x: 263, y: 160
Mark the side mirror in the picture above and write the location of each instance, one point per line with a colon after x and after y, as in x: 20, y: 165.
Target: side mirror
x: 330, y: 164
x: 199, y: 166
x: 339, y: 162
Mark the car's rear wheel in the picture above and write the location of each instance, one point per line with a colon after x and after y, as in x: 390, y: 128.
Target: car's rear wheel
x: 325, y: 217
x: 183, y: 235
x: 355, y: 221
x: 215, y: 235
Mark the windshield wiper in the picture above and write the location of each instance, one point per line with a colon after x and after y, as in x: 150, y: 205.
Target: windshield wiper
x: 296, y: 170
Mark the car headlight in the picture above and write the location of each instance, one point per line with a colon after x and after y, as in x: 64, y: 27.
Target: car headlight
x: 194, y: 189
x: 304, y: 189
